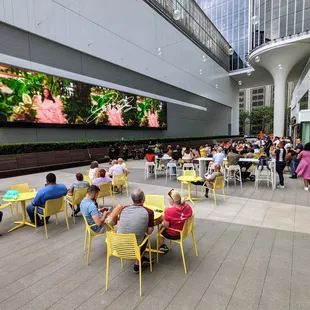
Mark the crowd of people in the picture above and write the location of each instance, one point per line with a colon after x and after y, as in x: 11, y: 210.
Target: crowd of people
x: 132, y: 218
x: 296, y: 158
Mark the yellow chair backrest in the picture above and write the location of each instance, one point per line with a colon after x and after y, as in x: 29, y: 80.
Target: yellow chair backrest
x: 105, y: 190
x: 155, y: 202
x: 189, y: 173
x: 79, y: 195
x: 86, y: 178
x: 219, y: 182
x: 119, y: 179
x: 54, y: 206
x: 21, y: 188
x: 122, y: 245
x: 87, y: 172
x: 188, y: 227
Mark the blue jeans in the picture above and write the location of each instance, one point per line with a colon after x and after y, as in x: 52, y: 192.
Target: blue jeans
x: 293, y: 166
x: 30, y: 211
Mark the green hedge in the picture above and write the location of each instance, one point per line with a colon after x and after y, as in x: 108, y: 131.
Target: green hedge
x: 34, y: 147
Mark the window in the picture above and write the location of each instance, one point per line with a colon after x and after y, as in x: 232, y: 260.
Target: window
x: 257, y: 97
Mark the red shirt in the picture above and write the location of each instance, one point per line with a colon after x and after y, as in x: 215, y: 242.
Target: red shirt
x: 150, y: 157
x: 176, y: 216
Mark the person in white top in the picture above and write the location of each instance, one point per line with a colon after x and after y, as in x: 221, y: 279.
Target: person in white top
x: 93, y: 171
x: 120, y: 161
x: 116, y: 169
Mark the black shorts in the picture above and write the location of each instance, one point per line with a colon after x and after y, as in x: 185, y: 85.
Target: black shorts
x: 167, y: 236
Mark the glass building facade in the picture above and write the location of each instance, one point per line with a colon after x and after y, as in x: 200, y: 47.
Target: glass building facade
x: 272, y: 19
x: 231, y: 17
x: 187, y: 16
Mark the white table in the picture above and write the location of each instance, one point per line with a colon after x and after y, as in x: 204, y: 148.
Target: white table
x: 247, y: 160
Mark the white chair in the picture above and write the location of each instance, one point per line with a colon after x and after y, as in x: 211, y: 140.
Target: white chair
x: 188, y: 166
x: 169, y: 171
x: 149, y: 166
x: 233, y: 172
x: 265, y: 174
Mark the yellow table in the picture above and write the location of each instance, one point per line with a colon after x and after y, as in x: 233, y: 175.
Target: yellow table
x: 189, y: 180
x: 22, y: 198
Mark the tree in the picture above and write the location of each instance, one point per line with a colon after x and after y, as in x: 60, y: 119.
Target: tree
x: 243, y: 116
x: 262, y: 117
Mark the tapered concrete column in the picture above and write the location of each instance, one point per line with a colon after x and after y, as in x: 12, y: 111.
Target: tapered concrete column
x: 279, y: 105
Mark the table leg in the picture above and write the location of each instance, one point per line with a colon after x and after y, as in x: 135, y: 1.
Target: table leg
x: 201, y: 168
x: 24, y: 222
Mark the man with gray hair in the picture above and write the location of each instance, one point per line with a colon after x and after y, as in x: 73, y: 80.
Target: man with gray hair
x: 139, y: 220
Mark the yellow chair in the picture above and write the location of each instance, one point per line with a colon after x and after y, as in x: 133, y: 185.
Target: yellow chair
x: 52, y: 207
x: 21, y: 188
x: 76, y: 199
x: 219, y: 183
x: 11, y: 207
x: 155, y: 202
x: 106, y: 190
x: 90, y: 235
x: 188, y: 228
x: 86, y: 178
x: 124, y: 246
x: 120, y: 180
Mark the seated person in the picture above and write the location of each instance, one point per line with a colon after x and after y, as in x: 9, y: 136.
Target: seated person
x: 188, y: 156
x: 121, y: 162
x: 210, y: 179
x: 116, y: 169
x: 233, y: 157
x: 218, y: 158
x: 102, y: 178
x: 137, y: 219
x: 93, y: 171
x: 150, y: 157
x: 79, y: 183
x: 100, y: 217
x: 202, y: 151
x: 50, y: 191
x: 169, y: 150
x: 174, y: 218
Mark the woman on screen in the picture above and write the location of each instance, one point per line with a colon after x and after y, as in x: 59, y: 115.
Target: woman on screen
x: 153, y: 118
x: 50, y: 110
x: 115, y: 115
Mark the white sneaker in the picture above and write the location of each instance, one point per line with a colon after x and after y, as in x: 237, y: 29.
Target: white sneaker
x: 306, y: 189
x: 280, y: 186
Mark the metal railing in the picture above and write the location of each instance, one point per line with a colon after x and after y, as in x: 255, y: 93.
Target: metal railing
x: 187, y: 16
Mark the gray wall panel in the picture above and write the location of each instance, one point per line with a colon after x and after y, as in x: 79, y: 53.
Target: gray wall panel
x: 181, y: 120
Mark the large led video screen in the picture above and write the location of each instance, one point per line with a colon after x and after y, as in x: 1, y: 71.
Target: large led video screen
x: 28, y: 97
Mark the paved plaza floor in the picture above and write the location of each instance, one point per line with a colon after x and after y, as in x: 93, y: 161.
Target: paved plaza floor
x: 254, y: 253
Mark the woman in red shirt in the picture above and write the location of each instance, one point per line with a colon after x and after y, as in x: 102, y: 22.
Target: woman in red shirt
x: 174, y: 218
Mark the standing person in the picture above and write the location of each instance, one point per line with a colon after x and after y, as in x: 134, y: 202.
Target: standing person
x: 303, y: 169
x: 294, y: 162
x: 268, y: 146
x: 50, y: 191
x: 280, y: 154
x: 125, y: 152
x: 174, y: 218
x: 116, y: 148
x: 112, y: 153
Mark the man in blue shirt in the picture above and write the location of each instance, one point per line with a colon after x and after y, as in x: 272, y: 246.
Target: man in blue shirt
x: 50, y: 191
x: 97, y: 216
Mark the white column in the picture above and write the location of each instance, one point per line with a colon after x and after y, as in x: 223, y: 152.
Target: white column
x: 279, y: 105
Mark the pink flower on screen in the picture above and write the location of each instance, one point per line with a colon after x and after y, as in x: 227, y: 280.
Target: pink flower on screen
x: 153, y: 119
x: 51, y: 112
x: 115, y: 116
